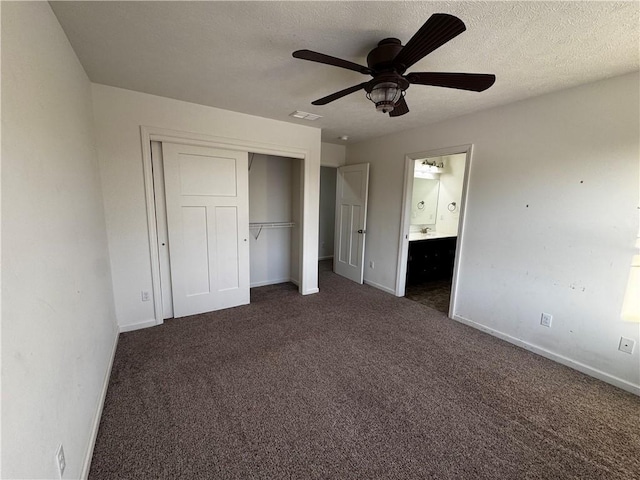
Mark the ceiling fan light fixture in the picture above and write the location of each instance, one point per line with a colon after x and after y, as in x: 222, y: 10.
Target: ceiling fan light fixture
x: 385, y: 95
x: 388, y: 62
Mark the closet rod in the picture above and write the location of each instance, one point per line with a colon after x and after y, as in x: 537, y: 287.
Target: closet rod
x: 260, y: 225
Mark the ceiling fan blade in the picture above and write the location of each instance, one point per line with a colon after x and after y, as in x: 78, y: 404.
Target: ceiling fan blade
x: 436, y: 31
x: 400, y: 108
x: 329, y: 60
x: 478, y: 82
x: 340, y: 94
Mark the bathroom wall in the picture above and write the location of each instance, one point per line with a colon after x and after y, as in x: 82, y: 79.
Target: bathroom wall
x: 451, y: 181
x: 439, y: 213
x: 424, y: 203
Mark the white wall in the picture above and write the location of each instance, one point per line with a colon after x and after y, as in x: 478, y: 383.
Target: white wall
x: 333, y: 155
x: 550, y: 222
x: 270, y: 200
x: 327, y: 212
x: 118, y: 116
x: 58, y: 320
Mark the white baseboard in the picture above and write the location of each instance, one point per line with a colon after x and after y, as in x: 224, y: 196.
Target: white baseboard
x: 269, y: 282
x: 581, y: 367
x: 96, y: 420
x: 138, y: 326
x: 380, y: 287
x: 295, y: 281
x: 311, y: 291
x: 328, y: 257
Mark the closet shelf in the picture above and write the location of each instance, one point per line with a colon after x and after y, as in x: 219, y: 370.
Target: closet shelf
x: 260, y: 225
x: 271, y: 225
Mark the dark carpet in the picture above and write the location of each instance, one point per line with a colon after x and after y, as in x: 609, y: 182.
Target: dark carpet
x: 435, y: 294
x: 352, y: 383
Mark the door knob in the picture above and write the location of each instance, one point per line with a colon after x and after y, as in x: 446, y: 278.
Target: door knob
x: 362, y: 231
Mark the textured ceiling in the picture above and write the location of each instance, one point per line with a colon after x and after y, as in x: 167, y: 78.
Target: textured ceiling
x: 237, y: 55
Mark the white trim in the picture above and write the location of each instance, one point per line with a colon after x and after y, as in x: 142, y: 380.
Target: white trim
x: 405, y: 220
x: 96, y: 420
x: 137, y: 326
x: 270, y: 282
x: 147, y: 134
x: 380, y: 287
x: 308, y: 292
x: 152, y: 227
x: 197, y: 139
x: 461, y: 227
x: 328, y: 257
x: 581, y: 367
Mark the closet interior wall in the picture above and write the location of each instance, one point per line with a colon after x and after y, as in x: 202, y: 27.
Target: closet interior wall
x: 328, y: 176
x: 274, y: 219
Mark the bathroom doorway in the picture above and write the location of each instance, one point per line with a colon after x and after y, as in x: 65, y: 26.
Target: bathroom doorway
x: 435, y: 187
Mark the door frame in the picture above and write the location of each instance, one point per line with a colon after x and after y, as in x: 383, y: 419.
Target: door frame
x: 405, y: 222
x: 149, y: 134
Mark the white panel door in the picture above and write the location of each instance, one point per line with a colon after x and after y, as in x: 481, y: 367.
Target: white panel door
x: 352, y: 186
x: 207, y: 196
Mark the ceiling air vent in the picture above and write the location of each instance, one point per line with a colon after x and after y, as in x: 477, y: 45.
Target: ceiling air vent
x: 305, y: 115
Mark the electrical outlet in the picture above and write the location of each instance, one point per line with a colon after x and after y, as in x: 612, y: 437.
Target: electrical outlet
x: 60, y: 461
x: 626, y: 345
x: 545, y: 319
x: 371, y: 264
x: 145, y: 296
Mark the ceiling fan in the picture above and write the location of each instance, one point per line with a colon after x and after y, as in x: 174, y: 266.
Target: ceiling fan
x: 390, y: 59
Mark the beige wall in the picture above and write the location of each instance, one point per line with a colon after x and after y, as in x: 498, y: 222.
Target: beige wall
x: 551, y: 220
x: 58, y: 320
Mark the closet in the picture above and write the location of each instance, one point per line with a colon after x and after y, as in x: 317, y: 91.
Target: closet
x: 227, y: 221
x: 274, y: 219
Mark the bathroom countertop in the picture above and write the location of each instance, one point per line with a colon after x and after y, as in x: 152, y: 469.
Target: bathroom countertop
x: 413, y: 236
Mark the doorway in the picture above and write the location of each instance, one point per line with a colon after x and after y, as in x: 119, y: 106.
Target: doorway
x: 327, y: 226
x: 343, y: 215
x: 274, y: 219
x: 432, y: 226
x: 327, y: 217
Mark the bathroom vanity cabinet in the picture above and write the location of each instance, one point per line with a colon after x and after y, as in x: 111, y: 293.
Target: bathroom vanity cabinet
x: 431, y: 259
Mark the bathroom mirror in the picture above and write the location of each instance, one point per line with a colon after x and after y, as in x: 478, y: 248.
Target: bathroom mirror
x: 424, y: 203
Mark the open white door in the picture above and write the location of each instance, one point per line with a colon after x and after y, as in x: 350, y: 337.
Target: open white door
x: 352, y: 187
x: 207, y: 196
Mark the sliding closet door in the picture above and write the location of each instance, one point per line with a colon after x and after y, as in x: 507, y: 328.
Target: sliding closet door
x: 208, y: 223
